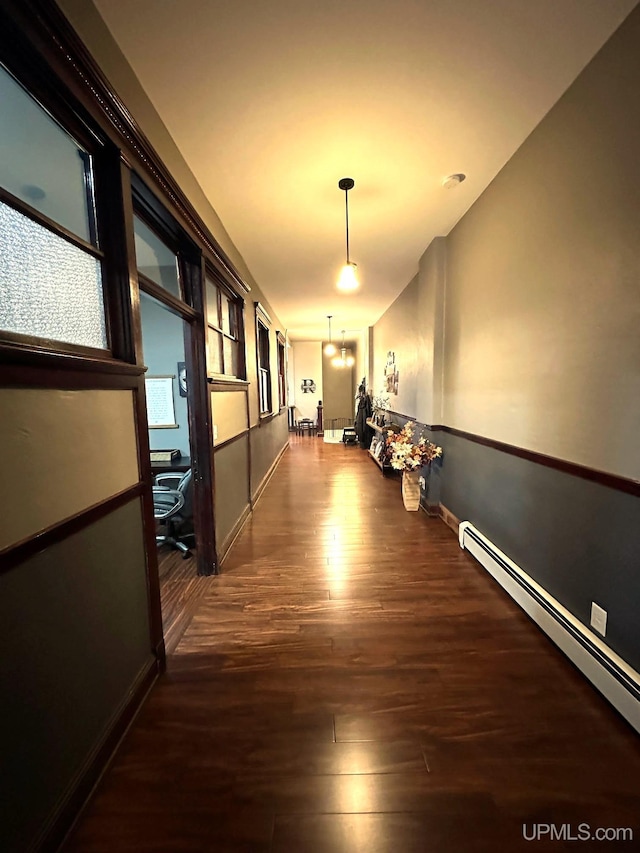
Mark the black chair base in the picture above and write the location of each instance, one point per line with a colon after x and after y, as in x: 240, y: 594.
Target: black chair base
x: 177, y: 544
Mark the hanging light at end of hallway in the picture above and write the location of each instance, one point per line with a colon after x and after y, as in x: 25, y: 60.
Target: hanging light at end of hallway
x: 330, y: 348
x: 343, y: 360
x: 347, y: 280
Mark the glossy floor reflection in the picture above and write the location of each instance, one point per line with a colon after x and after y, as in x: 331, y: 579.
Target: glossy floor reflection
x: 354, y: 683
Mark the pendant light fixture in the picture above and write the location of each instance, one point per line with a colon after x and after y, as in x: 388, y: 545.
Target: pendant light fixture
x: 343, y: 360
x: 330, y: 348
x: 347, y: 280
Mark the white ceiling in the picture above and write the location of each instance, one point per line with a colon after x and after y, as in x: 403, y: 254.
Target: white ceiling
x: 271, y: 103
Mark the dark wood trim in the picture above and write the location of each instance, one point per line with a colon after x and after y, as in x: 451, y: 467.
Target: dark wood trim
x: 231, y: 440
x: 36, y: 344
x: 50, y: 224
x: 113, y: 203
x: 23, y: 368
x: 249, y: 457
x: 217, y: 383
x: 34, y: 354
x: 603, y: 478
x: 177, y: 306
x: 449, y: 518
x: 233, y: 534
x: 148, y: 520
x: 77, y: 799
x: 200, y: 420
x: 58, y: 42
x: 15, y: 554
x: 263, y: 483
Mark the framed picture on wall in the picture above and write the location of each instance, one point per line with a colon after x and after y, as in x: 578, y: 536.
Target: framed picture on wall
x: 161, y: 412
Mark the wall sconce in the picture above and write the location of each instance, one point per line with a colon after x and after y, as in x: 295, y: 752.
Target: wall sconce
x: 347, y: 280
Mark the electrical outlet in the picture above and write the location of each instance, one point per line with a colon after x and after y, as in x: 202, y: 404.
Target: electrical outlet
x: 598, y: 619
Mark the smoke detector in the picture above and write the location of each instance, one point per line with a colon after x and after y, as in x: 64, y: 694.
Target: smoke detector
x: 453, y: 180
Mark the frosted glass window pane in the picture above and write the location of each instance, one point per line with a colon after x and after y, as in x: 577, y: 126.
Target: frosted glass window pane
x: 40, y: 163
x: 155, y: 260
x: 48, y: 287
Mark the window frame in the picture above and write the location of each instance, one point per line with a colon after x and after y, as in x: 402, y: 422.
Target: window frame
x: 223, y: 289
x: 97, y: 149
x: 281, y: 342
x: 263, y: 361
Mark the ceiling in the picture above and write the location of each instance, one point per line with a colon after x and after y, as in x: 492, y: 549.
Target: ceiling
x: 271, y: 103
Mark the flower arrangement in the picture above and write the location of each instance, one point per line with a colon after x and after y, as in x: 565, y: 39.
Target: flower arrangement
x: 380, y: 404
x: 404, y: 454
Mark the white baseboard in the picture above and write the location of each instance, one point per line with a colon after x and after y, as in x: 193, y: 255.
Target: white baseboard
x: 607, y: 671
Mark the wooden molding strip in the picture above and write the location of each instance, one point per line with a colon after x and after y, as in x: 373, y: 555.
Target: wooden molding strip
x: 217, y: 383
x: 603, y: 478
x: 238, y: 435
x: 29, y: 368
x: 21, y: 551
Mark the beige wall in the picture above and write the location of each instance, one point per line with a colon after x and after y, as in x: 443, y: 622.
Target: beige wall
x: 430, y: 313
x: 397, y: 331
x: 229, y: 414
x: 62, y: 452
x: 87, y: 22
x: 339, y: 389
x: 307, y: 364
x: 538, y: 287
x: 543, y: 299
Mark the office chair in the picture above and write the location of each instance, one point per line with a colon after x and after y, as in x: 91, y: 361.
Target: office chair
x: 173, y: 507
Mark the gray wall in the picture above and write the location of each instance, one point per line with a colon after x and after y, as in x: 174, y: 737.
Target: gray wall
x: 231, y: 487
x: 75, y: 639
x: 526, y: 332
x: 267, y: 441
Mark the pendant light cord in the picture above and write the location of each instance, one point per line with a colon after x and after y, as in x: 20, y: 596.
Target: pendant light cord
x: 346, y: 207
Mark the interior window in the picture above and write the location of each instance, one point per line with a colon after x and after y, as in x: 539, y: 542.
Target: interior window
x: 50, y: 266
x: 155, y: 260
x: 224, y: 322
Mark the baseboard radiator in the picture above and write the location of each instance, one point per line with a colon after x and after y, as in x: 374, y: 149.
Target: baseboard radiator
x: 609, y: 673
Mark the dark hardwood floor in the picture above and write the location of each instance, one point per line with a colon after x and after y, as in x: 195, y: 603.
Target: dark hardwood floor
x: 181, y: 591
x: 354, y: 683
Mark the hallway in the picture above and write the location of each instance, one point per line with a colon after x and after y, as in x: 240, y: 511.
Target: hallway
x: 354, y: 683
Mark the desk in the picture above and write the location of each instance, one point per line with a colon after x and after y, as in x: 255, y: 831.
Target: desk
x: 183, y: 464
